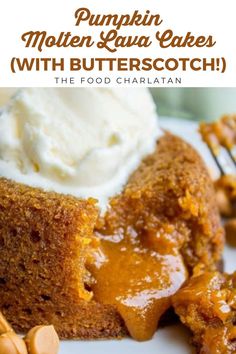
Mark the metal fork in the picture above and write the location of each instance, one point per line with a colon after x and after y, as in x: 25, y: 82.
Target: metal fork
x: 223, y: 153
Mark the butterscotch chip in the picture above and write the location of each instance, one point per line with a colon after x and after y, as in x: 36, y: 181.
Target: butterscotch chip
x: 42, y: 340
x: 6, y: 346
x: 10, y: 343
x: 4, y: 325
x: 223, y: 202
x: 230, y: 231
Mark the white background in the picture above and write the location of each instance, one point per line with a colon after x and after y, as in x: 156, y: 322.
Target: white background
x: 202, y: 17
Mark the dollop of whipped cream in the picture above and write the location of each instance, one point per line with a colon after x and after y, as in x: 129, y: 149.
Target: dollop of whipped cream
x: 80, y: 141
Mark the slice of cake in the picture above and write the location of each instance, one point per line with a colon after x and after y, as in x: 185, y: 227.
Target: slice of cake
x: 44, y: 241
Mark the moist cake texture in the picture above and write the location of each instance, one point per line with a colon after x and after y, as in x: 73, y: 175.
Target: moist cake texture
x: 44, y: 239
x: 97, y: 277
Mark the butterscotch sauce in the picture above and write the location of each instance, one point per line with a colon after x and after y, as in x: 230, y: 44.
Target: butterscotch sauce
x: 137, y: 280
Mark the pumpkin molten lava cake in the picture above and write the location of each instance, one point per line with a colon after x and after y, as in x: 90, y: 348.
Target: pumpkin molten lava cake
x: 103, y: 216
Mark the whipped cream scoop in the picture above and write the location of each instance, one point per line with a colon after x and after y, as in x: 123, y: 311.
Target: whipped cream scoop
x: 80, y: 141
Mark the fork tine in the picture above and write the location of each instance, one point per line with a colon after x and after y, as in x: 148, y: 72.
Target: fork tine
x: 231, y: 156
x: 222, y: 172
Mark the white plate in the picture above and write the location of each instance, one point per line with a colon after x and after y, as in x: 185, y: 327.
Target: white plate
x: 174, y: 339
